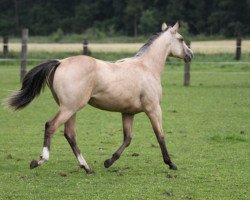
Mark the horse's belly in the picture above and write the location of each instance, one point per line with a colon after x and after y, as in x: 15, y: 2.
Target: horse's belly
x: 117, y: 104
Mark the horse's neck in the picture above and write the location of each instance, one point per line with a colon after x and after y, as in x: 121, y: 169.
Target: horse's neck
x: 155, y: 57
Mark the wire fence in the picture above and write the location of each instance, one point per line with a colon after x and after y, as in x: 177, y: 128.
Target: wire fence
x: 204, y: 48
x: 207, y: 47
x: 2, y: 60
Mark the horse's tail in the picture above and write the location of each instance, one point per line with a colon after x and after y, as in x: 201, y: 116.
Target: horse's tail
x: 32, y: 84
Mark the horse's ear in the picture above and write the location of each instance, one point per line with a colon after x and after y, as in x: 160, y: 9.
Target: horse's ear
x: 176, y: 27
x: 164, y: 26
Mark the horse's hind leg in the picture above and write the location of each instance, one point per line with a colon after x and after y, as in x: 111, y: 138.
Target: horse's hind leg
x: 70, y: 135
x: 155, y: 117
x: 127, y: 121
x: 50, y: 127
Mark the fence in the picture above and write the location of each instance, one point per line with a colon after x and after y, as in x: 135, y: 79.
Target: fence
x: 24, y: 53
x: 85, y: 50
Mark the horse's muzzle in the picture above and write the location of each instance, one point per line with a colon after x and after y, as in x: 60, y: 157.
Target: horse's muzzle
x: 188, y: 57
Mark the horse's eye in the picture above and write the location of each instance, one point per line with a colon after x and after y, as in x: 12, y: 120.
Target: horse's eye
x: 181, y: 39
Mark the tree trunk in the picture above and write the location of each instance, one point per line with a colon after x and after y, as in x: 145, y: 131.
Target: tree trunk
x: 135, y: 27
x: 16, y: 15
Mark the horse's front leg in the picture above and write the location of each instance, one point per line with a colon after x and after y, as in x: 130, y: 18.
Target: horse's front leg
x: 70, y: 135
x: 127, y: 122
x: 155, y: 116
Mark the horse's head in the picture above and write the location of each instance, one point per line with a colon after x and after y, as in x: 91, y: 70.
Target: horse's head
x: 178, y: 47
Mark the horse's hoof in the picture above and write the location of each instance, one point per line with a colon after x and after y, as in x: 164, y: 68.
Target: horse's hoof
x: 87, y: 170
x: 33, y: 164
x: 107, y: 163
x: 172, y: 166
x: 90, y: 172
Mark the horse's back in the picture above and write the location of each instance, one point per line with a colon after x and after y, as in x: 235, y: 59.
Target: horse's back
x: 119, y: 87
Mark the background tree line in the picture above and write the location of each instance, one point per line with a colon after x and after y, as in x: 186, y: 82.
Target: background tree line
x: 126, y: 17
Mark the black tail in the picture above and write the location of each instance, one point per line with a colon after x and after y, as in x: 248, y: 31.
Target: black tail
x: 33, y: 82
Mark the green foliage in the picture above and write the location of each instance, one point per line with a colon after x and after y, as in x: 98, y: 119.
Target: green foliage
x: 225, y: 17
x: 149, y: 22
x: 58, y: 35
x: 184, y: 29
x: 133, y: 12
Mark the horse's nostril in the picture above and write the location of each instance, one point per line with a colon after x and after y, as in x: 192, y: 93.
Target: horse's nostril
x: 187, y: 58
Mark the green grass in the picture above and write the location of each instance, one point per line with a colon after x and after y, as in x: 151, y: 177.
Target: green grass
x: 206, y: 126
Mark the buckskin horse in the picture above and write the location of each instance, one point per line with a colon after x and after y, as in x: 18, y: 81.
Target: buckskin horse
x: 129, y: 86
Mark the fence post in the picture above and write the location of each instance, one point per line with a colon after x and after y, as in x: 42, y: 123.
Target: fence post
x: 238, y: 48
x: 85, y: 47
x: 187, y: 69
x: 24, y: 53
x: 5, y: 47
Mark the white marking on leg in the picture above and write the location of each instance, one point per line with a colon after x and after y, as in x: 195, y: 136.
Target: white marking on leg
x: 45, y: 154
x: 41, y: 161
x: 82, y: 161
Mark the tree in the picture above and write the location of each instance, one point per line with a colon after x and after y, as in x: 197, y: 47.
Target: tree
x: 148, y: 22
x: 43, y: 17
x: 133, y: 13
x: 229, y: 17
x: 7, y: 18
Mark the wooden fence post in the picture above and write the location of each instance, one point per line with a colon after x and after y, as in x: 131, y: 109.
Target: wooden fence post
x: 238, y: 48
x: 24, y: 53
x: 5, y: 47
x: 85, y: 47
x: 187, y: 69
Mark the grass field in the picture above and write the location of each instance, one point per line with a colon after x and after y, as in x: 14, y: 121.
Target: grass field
x: 206, y: 126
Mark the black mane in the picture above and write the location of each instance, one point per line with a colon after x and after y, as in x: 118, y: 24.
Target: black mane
x: 149, y: 42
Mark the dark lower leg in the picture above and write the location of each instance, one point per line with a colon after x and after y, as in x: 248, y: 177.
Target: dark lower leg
x: 72, y: 142
x: 70, y: 135
x: 118, y: 153
x: 50, y: 127
x: 155, y: 117
x: 127, y: 121
x: 164, y: 151
x: 46, y: 147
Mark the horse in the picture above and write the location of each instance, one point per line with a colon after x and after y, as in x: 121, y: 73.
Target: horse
x: 129, y: 86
